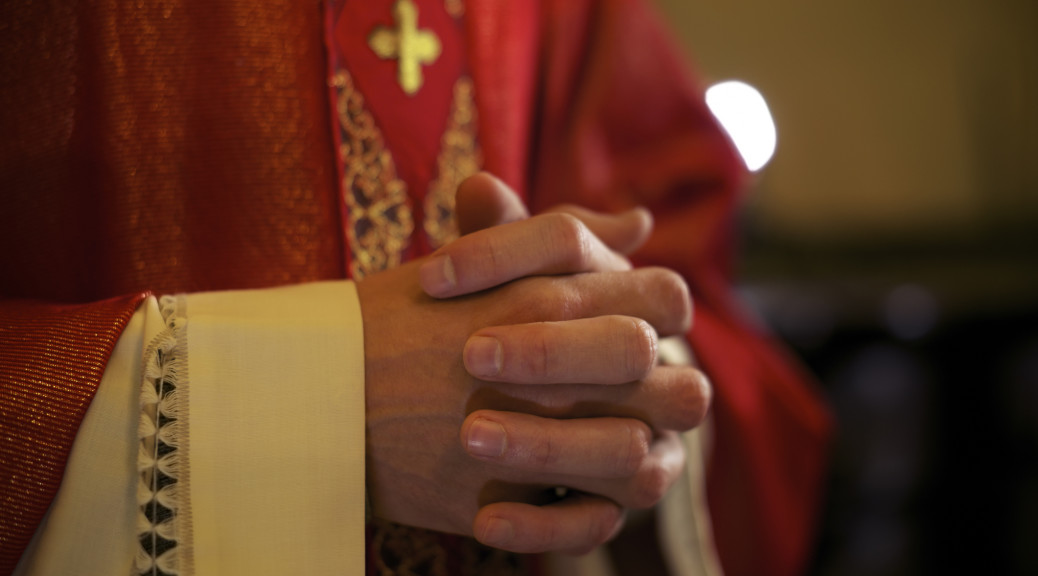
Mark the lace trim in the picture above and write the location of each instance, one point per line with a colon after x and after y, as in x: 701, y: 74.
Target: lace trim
x: 460, y: 157
x: 163, y: 521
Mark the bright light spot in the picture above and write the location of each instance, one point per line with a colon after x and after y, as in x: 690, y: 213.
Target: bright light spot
x: 744, y: 114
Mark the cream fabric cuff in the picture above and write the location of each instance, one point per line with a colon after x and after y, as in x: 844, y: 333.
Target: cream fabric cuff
x: 276, y: 430
x: 272, y: 470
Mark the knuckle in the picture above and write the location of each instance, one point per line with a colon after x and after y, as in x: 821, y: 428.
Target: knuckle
x: 633, y: 456
x: 492, y: 260
x: 640, y: 348
x: 555, y: 298
x: 545, y: 453
x: 571, y: 303
x: 541, y: 360
x: 574, y: 238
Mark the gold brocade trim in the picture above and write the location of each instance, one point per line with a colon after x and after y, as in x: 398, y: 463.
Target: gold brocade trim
x: 405, y: 551
x: 477, y: 560
x: 377, y: 207
x: 460, y: 157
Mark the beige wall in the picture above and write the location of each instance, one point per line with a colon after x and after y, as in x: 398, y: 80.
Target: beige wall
x: 896, y: 119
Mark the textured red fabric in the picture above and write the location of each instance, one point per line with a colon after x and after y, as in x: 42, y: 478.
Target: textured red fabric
x: 504, y: 54
x: 173, y: 146
x: 188, y: 145
x: 52, y: 360
x: 178, y: 146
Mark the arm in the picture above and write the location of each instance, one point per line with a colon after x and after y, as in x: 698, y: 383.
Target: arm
x: 213, y: 310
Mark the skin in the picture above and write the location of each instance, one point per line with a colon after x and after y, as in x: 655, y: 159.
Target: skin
x: 543, y: 356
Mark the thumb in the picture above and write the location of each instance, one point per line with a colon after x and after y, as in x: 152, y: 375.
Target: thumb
x: 483, y: 201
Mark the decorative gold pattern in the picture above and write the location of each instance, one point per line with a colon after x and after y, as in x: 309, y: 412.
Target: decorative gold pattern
x: 410, y: 46
x: 460, y: 157
x: 405, y: 551
x: 379, y: 223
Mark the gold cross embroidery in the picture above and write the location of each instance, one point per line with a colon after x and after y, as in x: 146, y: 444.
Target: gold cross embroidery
x: 411, y: 46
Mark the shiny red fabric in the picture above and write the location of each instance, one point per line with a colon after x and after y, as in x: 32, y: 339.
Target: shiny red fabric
x: 52, y: 360
x: 188, y: 145
x: 173, y: 146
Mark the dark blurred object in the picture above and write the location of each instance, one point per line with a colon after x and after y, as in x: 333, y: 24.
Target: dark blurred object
x: 893, y: 242
x: 930, y: 363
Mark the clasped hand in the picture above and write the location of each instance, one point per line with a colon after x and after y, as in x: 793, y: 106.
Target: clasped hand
x: 538, y: 343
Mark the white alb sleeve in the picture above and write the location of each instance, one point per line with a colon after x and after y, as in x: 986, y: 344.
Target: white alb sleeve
x: 227, y: 438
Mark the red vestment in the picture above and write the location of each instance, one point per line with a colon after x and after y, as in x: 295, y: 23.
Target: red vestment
x: 188, y: 146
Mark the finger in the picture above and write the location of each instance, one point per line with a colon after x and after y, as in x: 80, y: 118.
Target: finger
x: 657, y: 295
x: 612, y: 457
x: 576, y: 525
x: 624, y: 232
x: 659, y: 470
x: 600, y: 350
x: 669, y: 398
x: 543, y: 245
x: 546, y: 448
x: 483, y: 201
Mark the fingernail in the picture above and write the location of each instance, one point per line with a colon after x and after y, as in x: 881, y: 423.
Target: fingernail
x: 437, y: 275
x: 487, y: 439
x: 483, y: 356
x: 497, y: 531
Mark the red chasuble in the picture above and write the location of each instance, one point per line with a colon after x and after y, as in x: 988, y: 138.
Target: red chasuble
x: 190, y: 145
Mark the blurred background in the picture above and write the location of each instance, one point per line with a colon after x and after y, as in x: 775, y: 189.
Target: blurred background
x: 892, y: 242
